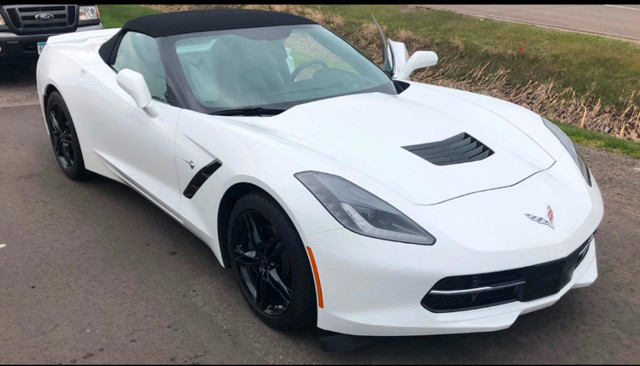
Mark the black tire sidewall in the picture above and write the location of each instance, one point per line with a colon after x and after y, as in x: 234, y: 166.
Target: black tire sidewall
x: 302, y: 309
x: 77, y: 171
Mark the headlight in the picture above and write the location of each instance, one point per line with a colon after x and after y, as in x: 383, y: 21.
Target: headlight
x: 1, y: 20
x: 568, y: 144
x: 88, y: 13
x: 361, y: 211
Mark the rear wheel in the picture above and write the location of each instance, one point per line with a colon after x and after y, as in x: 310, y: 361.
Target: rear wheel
x: 64, y: 139
x: 270, y: 263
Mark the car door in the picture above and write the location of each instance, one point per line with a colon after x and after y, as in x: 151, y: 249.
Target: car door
x: 135, y: 145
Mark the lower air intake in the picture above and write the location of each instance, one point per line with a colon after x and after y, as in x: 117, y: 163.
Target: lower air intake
x: 488, y: 289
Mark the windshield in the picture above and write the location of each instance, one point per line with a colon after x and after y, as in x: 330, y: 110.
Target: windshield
x: 273, y: 67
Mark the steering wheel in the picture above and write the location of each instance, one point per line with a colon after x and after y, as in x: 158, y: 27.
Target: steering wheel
x: 306, y: 64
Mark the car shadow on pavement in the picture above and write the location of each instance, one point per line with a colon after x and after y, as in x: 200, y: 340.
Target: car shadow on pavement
x: 18, y: 74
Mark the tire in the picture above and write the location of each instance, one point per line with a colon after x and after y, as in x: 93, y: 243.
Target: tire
x: 64, y: 139
x: 278, y: 263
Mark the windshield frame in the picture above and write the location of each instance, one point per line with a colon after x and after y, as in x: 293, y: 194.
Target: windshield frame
x: 175, y: 71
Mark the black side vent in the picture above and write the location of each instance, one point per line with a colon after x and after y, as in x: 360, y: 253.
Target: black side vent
x: 200, y: 177
x: 461, y: 148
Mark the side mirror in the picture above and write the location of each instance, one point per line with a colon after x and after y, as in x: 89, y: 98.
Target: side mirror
x: 419, y: 60
x: 133, y: 83
x: 396, y: 60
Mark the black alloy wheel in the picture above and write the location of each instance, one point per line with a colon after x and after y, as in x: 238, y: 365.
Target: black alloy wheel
x: 64, y: 139
x: 270, y: 263
x: 263, y: 264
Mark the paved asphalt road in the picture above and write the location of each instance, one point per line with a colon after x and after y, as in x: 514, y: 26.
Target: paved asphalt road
x: 93, y: 273
x: 621, y: 21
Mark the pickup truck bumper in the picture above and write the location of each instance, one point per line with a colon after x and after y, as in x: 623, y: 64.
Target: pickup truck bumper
x: 23, y: 48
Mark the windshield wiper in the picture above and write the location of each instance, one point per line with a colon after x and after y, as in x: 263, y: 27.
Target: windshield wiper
x: 249, y: 111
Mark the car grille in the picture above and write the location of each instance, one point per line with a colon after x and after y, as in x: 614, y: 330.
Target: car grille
x: 27, y: 19
x: 488, y: 289
x: 461, y: 148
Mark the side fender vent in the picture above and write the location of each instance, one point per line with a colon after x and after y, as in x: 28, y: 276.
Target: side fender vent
x: 461, y: 148
x: 200, y: 177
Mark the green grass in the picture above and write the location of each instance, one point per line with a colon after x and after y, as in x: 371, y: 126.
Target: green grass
x: 114, y: 16
x: 607, y: 68
x: 600, y: 140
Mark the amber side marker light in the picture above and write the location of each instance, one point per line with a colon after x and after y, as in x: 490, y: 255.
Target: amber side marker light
x: 317, y: 277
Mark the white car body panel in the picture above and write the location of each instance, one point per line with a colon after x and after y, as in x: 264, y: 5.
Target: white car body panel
x: 475, y: 210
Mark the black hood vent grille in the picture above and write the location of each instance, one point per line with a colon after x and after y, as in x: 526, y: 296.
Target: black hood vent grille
x: 461, y: 148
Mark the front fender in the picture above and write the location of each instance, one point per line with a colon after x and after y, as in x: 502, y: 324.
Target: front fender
x: 248, y: 155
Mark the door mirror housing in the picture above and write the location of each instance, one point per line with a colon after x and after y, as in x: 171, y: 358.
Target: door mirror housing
x: 133, y: 83
x: 419, y: 60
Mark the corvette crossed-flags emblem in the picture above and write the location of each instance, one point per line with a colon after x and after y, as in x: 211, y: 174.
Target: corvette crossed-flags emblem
x: 541, y: 220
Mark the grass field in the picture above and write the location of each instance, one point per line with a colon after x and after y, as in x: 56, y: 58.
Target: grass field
x: 600, y: 140
x: 604, y: 67
x: 114, y: 16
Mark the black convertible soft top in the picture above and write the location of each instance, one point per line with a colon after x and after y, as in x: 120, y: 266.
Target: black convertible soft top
x: 167, y: 24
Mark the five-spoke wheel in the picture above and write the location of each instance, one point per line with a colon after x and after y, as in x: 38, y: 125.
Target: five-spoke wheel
x: 263, y: 264
x: 270, y: 263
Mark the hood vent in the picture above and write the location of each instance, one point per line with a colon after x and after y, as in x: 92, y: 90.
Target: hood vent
x: 461, y: 148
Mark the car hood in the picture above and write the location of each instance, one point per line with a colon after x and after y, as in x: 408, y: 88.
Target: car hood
x: 368, y: 132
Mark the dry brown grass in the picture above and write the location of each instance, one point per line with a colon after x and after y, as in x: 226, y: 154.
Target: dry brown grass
x: 585, y: 111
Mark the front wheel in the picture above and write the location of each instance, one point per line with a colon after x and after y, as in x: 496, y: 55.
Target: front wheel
x: 270, y: 263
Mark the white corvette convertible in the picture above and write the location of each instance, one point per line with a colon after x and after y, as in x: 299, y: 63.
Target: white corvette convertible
x: 340, y: 193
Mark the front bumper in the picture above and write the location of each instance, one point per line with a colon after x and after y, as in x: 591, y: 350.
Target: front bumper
x: 374, y: 287
x: 391, y: 304
x: 20, y: 48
